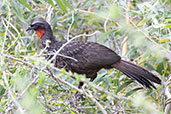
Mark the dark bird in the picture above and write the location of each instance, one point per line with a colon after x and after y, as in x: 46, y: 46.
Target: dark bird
x: 89, y: 57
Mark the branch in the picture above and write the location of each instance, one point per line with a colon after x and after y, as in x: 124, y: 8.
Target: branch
x: 93, y: 13
x: 96, y: 102
x: 81, y: 35
x: 107, y: 92
x: 5, y: 35
x: 125, y: 41
x: 168, y: 95
x: 10, y: 93
x: 3, y: 69
x: 69, y: 29
x: 65, y: 56
x: 105, y: 23
x: 56, y: 78
x: 28, y: 86
x: 149, y: 37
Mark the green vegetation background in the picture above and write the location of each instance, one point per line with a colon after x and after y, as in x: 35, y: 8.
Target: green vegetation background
x: 138, y: 30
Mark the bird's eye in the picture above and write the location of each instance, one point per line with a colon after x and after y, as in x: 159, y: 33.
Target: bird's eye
x: 31, y: 25
x: 37, y: 25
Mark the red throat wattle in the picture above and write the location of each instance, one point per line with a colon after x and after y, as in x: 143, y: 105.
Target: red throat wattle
x: 40, y: 32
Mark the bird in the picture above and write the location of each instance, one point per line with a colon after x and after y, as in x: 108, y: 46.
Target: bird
x: 88, y: 57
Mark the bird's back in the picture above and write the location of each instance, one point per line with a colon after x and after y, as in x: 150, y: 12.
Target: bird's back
x: 84, y: 57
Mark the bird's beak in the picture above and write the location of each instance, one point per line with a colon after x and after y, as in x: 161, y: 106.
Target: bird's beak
x: 30, y: 28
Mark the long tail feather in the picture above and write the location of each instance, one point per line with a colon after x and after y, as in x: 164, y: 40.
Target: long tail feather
x: 137, y: 73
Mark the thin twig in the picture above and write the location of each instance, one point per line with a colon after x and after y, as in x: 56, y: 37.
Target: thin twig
x: 81, y: 35
x: 20, y: 60
x: 147, y: 36
x: 3, y: 69
x: 5, y: 36
x: 107, y: 92
x: 16, y: 38
x: 65, y: 56
x: 105, y: 23
x: 46, y: 71
x: 168, y: 95
x: 12, y: 26
x: 95, y: 101
x: 10, y: 93
x: 125, y: 41
x: 28, y: 86
x: 55, y: 77
x: 49, y: 12
x: 69, y: 29
x: 89, y: 12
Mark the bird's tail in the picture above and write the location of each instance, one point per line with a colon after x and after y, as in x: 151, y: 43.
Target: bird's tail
x: 137, y: 73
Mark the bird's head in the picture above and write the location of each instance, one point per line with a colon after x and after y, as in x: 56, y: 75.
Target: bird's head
x: 41, y: 27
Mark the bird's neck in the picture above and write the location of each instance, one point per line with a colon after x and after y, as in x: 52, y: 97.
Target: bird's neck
x: 47, y: 39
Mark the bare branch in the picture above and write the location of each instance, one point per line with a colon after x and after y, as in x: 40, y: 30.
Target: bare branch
x: 10, y: 93
x: 49, y: 12
x: 81, y: 35
x: 149, y: 37
x: 96, y: 102
x: 105, y: 23
x: 56, y: 78
x: 5, y: 36
x: 65, y: 56
x: 28, y: 86
x: 107, y: 92
x: 168, y: 95
x: 69, y: 29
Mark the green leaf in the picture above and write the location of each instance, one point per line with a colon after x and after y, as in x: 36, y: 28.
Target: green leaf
x: 62, y: 6
x: 99, y: 78
x: 41, y: 77
x: 160, y: 68
x: 133, y: 91
x: 164, y: 40
x: 19, y: 11
x: 23, y: 2
x: 106, y: 33
x: 168, y: 26
x: 2, y: 90
x: 72, y: 112
x: 123, y: 85
x: 116, y: 80
x: 103, y: 96
x: 68, y: 4
x: 17, y: 49
x: 142, y: 22
x: 55, y: 20
x: 51, y: 2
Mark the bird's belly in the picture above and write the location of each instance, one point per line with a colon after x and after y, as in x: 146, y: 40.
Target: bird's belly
x: 73, y: 66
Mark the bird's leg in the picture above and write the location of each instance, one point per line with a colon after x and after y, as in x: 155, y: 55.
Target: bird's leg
x: 80, y: 84
x: 92, y: 76
x: 78, y: 94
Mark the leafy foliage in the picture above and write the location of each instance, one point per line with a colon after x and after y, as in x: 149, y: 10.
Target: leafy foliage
x: 26, y: 86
